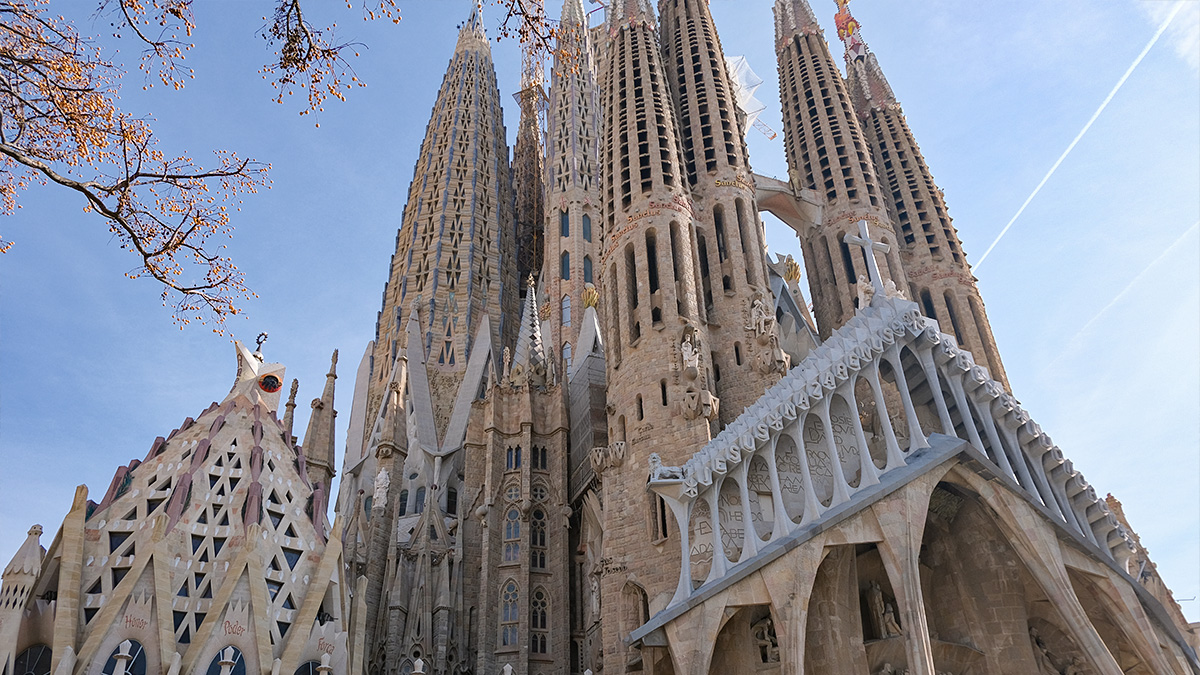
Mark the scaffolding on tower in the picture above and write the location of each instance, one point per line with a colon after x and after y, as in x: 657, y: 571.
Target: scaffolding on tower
x: 528, y: 156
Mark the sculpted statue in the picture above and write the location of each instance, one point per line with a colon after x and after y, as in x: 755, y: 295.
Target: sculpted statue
x: 690, y: 355
x: 875, y: 603
x: 866, y: 292
x: 382, y: 482
x: 890, y: 290
x: 1075, y: 667
x: 760, y: 318
x: 595, y: 597
x: 890, y: 627
x: 660, y: 472
x: 767, y: 641
x: 1041, y: 655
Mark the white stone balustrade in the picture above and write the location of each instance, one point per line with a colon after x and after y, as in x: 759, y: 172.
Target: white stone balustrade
x: 802, y: 448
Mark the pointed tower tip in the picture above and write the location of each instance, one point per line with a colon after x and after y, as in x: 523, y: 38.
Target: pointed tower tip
x: 471, y: 31
x: 622, y: 13
x: 794, y: 17
x: 573, y: 12
x: 28, y: 559
x: 333, y: 364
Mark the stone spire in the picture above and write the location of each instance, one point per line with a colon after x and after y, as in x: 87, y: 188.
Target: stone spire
x: 826, y: 154
x: 28, y: 559
x: 733, y: 270
x: 454, y: 261
x: 530, y: 355
x: 471, y: 34
x: 290, y: 409
x: 864, y: 78
x: 572, y: 218
x: 794, y: 17
x: 16, y: 586
x: 622, y: 13
x: 939, y: 276
x: 318, y: 440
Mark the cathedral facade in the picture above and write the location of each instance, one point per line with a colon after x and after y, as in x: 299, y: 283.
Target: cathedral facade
x: 600, y: 430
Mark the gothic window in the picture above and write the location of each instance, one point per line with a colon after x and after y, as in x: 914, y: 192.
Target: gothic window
x: 228, y: 661
x: 33, y: 661
x: 538, y: 622
x: 403, y: 502
x: 513, y: 458
x: 512, y: 493
x: 565, y: 272
x: 587, y: 228
x: 419, y: 506
x: 512, y: 536
x: 567, y: 352
x: 539, y: 493
x: 537, y: 540
x: 566, y: 310
x: 587, y: 268
x: 565, y: 223
x: 451, y: 501
x: 508, y: 615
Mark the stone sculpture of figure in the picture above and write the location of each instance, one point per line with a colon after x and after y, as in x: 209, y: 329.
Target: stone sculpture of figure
x: 382, y: 482
x: 875, y: 603
x: 767, y: 641
x: 507, y: 360
x: 890, y: 627
x: 760, y: 318
x: 1041, y: 655
x: 866, y: 292
x: 887, y: 669
x: 1075, y: 667
x: 595, y: 597
x: 890, y: 290
x: 690, y: 355
x: 660, y: 472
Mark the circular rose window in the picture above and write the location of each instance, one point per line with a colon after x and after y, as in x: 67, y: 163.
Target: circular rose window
x: 269, y: 384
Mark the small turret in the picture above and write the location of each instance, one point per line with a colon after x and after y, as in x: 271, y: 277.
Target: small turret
x: 15, y: 588
x: 318, y: 440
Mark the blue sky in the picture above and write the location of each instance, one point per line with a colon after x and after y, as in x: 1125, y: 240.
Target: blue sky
x: 1094, y: 294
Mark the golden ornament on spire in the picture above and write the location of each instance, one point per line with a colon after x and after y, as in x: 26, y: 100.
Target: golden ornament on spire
x: 591, y: 297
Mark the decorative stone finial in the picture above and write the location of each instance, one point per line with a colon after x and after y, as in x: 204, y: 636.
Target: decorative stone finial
x: 791, y: 270
x: 591, y: 297
x: 258, y: 343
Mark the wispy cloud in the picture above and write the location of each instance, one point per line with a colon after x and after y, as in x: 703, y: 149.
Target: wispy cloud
x: 1184, y: 34
x: 1171, y: 14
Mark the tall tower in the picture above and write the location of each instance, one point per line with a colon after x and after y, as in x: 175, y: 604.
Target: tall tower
x: 454, y: 251
x: 939, y: 277
x: 660, y: 391
x: 733, y: 268
x: 528, y: 169
x: 573, y: 192
x: 826, y: 153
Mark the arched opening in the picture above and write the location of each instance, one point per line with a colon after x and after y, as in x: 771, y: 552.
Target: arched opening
x: 833, y: 642
x: 747, y: 643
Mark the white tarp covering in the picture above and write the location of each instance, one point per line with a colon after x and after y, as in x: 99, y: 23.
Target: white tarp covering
x: 745, y: 83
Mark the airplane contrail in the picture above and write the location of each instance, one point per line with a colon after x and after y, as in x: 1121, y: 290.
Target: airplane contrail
x: 1124, y: 291
x: 1104, y: 104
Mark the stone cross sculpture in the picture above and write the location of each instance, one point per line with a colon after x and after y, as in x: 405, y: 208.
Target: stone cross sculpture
x: 869, y: 246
